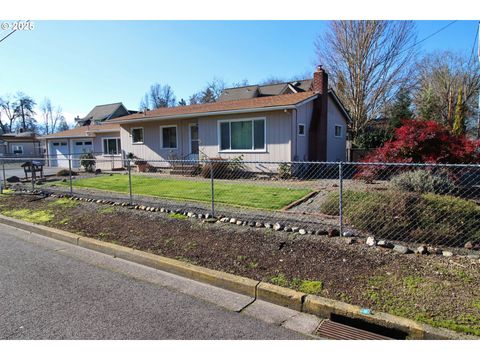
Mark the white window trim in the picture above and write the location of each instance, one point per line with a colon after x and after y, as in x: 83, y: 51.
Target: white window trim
x: 143, y: 135
x: 264, y: 150
x: 161, y: 137
x: 103, y: 146
x: 298, y: 129
x: 341, y: 131
x: 18, y: 146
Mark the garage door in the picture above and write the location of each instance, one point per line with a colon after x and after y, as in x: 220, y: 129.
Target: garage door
x: 59, y: 154
x: 80, y: 147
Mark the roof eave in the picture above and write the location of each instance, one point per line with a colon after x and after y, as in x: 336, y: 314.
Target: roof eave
x: 212, y: 113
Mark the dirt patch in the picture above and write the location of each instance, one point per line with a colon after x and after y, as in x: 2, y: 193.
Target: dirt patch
x: 440, y: 291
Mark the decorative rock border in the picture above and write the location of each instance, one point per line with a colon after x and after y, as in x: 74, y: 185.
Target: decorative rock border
x: 349, y: 236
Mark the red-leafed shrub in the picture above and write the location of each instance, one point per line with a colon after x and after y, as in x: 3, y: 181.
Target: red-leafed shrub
x: 418, y: 141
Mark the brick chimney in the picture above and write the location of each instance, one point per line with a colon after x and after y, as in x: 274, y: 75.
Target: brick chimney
x: 317, y: 149
x: 320, y: 80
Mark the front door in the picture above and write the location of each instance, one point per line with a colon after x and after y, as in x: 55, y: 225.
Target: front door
x: 194, y: 142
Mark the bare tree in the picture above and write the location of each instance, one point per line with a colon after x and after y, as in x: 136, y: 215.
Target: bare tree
x: 51, y: 116
x: 441, y: 76
x: 7, y: 107
x: 24, y: 111
x: 368, y: 61
x: 157, y: 97
x: 210, y: 93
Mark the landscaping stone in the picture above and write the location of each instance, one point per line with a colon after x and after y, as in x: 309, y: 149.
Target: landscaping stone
x: 401, y: 249
x: 302, y: 231
x: 310, y: 232
x: 468, y: 245
x: 13, y: 179
x: 244, y: 223
x: 447, y: 253
x: 278, y: 227
x: 208, y: 216
x: 251, y: 223
x: 190, y: 214
x: 287, y: 229
x: 348, y: 234
x: 332, y: 232
x: 200, y: 216
x: 233, y: 221
x: 349, y: 240
x: 267, y: 225
x: 422, y: 250
x: 239, y: 222
x: 385, y: 244
x: 258, y: 224
x: 371, y: 241
x: 295, y: 228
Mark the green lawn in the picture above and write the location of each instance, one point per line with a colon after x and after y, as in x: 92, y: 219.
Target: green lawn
x: 256, y: 196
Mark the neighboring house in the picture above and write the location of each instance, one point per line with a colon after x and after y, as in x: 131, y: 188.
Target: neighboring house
x: 102, y: 140
x: 301, y: 120
x: 21, y: 144
x: 104, y: 112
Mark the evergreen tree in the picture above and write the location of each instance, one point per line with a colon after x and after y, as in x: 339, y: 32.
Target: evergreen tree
x: 426, y: 109
x: 459, y: 120
x: 401, y: 109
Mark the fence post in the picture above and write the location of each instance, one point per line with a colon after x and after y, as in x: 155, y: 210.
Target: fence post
x: 70, y: 173
x: 129, y: 167
x: 340, y: 197
x: 4, y: 179
x: 213, y: 189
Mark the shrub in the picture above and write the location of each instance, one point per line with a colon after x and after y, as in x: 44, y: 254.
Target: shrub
x: 429, y: 218
x: 285, y: 171
x: 423, y: 181
x: 419, y: 141
x: 87, y: 161
x: 65, y: 172
x: 224, y: 168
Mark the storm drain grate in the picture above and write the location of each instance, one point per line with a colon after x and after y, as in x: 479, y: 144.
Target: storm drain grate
x: 336, y: 331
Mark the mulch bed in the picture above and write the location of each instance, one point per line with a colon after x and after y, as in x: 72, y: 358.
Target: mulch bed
x: 441, y: 291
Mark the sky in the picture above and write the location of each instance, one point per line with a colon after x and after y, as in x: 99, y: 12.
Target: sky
x: 80, y: 64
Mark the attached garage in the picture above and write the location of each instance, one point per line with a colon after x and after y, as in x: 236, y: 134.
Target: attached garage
x: 85, y: 139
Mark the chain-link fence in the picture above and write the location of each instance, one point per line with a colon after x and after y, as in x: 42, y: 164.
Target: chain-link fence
x: 419, y: 203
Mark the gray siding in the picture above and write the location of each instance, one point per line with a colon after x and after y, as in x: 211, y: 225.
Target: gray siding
x: 30, y: 149
x: 336, y: 146
x: 300, y: 143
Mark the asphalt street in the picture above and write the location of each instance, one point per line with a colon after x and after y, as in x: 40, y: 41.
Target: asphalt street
x: 54, y: 290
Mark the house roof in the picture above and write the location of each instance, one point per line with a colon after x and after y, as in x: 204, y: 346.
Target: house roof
x: 21, y: 136
x: 83, y: 131
x: 102, y: 112
x: 251, y: 91
x: 267, y: 103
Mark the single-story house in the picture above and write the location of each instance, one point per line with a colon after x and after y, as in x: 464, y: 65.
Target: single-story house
x: 103, y: 112
x: 20, y: 144
x: 101, y: 140
x: 298, y: 121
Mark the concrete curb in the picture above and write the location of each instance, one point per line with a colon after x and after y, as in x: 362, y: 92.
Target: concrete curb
x: 292, y: 299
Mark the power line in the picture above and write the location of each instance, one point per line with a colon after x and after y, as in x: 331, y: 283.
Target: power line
x: 6, y: 36
x: 473, y: 45
x: 431, y: 35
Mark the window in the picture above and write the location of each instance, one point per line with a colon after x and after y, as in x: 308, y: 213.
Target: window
x: 79, y: 143
x: 111, y: 146
x: 18, y: 149
x: 168, y: 135
x: 338, y: 131
x: 137, y: 136
x: 87, y: 143
x: 242, y: 135
x: 56, y: 144
x: 301, y: 129
x: 63, y: 144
